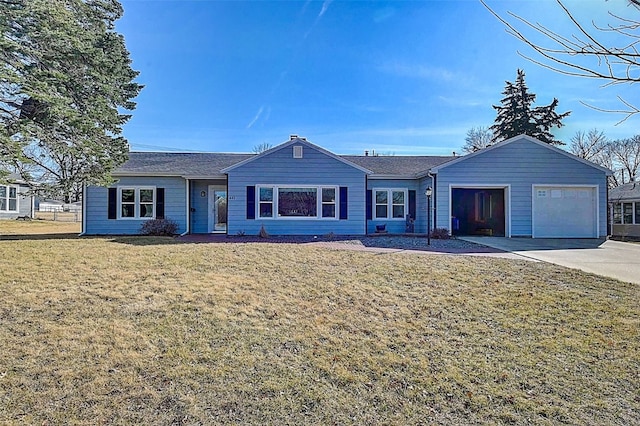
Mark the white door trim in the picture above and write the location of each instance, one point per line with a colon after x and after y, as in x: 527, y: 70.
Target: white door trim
x: 211, y: 209
x: 507, y: 201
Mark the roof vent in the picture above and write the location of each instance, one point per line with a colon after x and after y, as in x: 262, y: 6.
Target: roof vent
x: 292, y: 137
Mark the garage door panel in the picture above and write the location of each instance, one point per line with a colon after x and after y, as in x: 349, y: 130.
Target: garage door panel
x: 564, y: 212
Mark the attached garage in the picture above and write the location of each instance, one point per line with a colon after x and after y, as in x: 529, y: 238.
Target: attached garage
x: 521, y: 187
x: 565, y: 212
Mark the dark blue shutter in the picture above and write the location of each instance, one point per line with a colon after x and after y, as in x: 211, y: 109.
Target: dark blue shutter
x: 251, y: 202
x: 412, y: 203
x: 369, y: 204
x: 344, y: 203
x: 159, y: 203
x: 113, y: 203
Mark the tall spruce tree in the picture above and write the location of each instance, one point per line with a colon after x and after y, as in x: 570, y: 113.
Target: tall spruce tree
x: 65, y: 81
x: 517, y: 116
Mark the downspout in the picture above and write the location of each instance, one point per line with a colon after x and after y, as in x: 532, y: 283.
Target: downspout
x: 609, y: 211
x: 435, y: 195
x: 83, y: 231
x: 188, y: 204
x: 366, y: 188
x: 227, y: 192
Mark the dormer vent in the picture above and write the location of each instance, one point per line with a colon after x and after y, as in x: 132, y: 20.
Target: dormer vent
x: 297, y: 151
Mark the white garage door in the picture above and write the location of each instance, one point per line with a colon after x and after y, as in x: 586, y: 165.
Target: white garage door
x: 564, y: 212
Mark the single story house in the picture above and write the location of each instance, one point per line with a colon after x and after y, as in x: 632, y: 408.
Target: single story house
x: 15, y: 200
x: 624, y: 202
x: 520, y: 187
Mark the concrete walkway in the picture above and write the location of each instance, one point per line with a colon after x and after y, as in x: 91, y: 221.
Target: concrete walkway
x: 608, y: 258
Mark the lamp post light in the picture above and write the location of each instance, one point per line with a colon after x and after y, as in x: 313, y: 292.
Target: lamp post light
x: 428, y: 192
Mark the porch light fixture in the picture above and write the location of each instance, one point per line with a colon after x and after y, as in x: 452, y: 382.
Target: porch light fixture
x: 428, y: 192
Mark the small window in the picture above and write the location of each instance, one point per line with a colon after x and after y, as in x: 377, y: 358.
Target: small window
x: 146, y: 202
x: 617, y: 213
x: 542, y: 193
x: 128, y: 203
x: 382, y: 199
x: 397, y: 207
x: 627, y: 213
x: 266, y: 202
x: 390, y: 203
x: 556, y: 193
x: 328, y: 202
x: 8, y: 198
x: 137, y: 203
x: 297, y: 151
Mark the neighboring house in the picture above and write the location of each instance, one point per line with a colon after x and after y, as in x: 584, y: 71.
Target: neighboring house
x: 15, y: 200
x: 624, y: 202
x: 519, y: 187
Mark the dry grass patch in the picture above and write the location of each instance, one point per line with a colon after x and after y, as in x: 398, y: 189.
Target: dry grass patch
x: 147, y: 330
x: 13, y: 228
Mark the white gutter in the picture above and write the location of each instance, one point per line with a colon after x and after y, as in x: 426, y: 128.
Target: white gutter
x: 84, y: 210
x: 188, y: 203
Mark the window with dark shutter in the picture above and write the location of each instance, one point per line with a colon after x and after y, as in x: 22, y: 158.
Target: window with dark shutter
x: 113, y: 203
x: 251, y: 202
x: 369, y: 204
x: 344, y: 203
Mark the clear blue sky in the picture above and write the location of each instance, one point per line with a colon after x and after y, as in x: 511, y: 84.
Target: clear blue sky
x: 396, y: 77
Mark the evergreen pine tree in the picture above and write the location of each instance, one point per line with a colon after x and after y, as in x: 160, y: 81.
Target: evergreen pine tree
x: 66, y: 85
x: 517, y: 116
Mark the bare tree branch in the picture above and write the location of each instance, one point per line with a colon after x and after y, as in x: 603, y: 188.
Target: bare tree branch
x: 614, y: 65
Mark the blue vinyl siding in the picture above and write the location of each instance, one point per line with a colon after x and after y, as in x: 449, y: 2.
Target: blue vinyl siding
x: 25, y: 204
x: 520, y: 164
x: 96, y: 203
x: 200, y: 217
x: 280, y: 168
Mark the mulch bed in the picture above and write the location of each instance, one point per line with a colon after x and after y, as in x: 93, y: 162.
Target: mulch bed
x: 398, y: 242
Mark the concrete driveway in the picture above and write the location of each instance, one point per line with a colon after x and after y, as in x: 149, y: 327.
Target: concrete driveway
x: 608, y: 258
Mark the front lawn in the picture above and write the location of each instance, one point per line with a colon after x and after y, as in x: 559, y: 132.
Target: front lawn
x: 151, y: 331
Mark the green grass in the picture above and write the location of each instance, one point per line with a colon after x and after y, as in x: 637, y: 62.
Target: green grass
x: 150, y: 331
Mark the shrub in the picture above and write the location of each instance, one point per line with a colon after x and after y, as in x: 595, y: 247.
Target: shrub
x: 440, y: 234
x: 159, y: 227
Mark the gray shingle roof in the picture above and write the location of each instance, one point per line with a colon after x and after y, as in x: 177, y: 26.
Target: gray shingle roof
x: 628, y: 191
x: 14, y: 178
x: 211, y: 164
x: 397, y: 165
x: 182, y: 164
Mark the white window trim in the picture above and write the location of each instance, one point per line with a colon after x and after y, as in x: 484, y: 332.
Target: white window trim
x: 136, y: 202
x: 390, y: 203
x: 319, y: 203
x: 7, y: 198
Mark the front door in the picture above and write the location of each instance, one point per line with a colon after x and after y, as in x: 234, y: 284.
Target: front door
x: 217, y: 209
